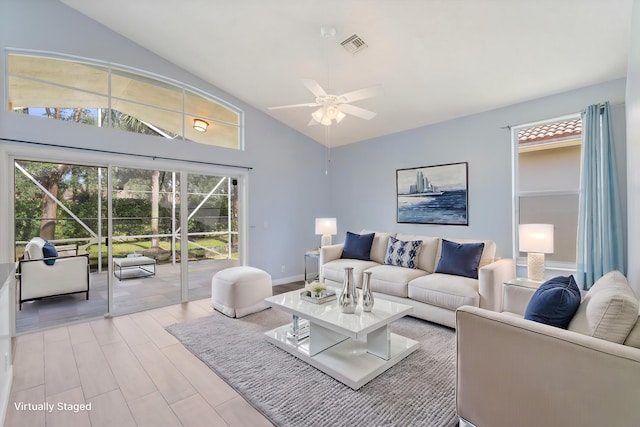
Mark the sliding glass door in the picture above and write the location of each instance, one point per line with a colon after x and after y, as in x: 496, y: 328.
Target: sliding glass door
x: 212, y: 229
x: 145, y: 248
x: 63, y: 204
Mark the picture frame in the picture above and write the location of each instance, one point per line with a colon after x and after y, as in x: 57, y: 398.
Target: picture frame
x: 435, y: 194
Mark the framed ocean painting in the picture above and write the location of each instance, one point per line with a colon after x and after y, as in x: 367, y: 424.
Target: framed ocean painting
x: 433, y: 194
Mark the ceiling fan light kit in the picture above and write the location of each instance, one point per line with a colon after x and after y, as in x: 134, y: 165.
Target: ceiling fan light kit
x: 335, y: 107
x: 325, y: 115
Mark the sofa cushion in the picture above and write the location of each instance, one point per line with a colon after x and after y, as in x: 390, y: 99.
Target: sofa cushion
x: 609, y: 310
x: 460, y: 259
x: 357, y: 246
x: 402, y: 253
x: 445, y: 290
x: 334, y: 270
x: 633, y: 339
x: 488, y: 254
x: 379, y: 245
x: 554, y: 302
x: 33, y: 250
x: 392, y: 280
x: 427, y: 254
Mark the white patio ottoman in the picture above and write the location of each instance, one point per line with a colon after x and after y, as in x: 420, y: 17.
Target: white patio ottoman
x: 239, y: 291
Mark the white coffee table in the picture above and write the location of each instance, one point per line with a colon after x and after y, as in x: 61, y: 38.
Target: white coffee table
x: 352, y: 348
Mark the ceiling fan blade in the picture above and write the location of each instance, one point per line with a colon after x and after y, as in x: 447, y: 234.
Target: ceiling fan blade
x: 356, y: 95
x: 313, y: 122
x: 314, y: 87
x: 307, y: 104
x: 356, y: 111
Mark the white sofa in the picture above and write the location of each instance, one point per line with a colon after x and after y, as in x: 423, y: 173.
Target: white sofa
x: 68, y: 274
x: 434, y: 296
x: 517, y: 372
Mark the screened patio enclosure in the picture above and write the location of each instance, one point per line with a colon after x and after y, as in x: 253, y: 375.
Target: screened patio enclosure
x: 184, y: 224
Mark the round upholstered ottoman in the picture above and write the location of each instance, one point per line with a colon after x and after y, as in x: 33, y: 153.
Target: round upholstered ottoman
x: 239, y: 291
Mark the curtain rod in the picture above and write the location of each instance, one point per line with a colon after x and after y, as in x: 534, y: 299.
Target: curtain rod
x: 555, y: 119
x: 95, y: 150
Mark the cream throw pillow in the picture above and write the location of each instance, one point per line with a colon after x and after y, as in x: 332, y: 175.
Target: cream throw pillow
x: 608, y: 311
x: 33, y: 250
x: 379, y: 245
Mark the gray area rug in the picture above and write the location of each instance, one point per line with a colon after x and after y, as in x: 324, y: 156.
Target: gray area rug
x: 418, y: 391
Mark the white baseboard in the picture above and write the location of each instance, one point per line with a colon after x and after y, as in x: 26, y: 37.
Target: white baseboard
x: 285, y: 280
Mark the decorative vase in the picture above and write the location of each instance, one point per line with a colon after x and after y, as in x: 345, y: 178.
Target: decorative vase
x: 367, y: 295
x: 348, y: 298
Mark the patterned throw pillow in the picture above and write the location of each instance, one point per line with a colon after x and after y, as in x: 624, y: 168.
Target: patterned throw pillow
x: 402, y: 253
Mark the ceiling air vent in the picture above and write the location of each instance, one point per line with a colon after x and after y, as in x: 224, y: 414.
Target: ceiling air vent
x: 354, y: 44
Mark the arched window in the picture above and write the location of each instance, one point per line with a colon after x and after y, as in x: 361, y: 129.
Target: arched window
x: 108, y: 95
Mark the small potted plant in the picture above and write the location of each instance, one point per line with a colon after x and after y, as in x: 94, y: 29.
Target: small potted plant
x: 317, y: 290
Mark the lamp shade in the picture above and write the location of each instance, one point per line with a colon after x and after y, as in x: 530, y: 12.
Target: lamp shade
x: 536, y: 238
x: 326, y: 226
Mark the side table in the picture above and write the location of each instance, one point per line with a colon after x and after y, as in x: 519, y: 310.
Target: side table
x: 313, y: 255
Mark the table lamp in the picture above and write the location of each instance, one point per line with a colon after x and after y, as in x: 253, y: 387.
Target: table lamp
x: 536, y: 240
x: 326, y: 227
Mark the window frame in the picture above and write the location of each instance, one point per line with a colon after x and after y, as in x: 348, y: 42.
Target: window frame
x: 515, y: 175
x: 132, y: 72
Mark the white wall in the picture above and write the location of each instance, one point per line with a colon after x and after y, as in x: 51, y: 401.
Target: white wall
x: 633, y: 150
x: 287, y: 184
x: 363, y: 174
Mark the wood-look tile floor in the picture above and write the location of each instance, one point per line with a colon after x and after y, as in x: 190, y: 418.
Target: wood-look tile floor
x: 128, y: 369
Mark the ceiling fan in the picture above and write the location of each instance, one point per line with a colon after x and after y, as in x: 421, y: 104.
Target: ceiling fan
x: 334, y: 107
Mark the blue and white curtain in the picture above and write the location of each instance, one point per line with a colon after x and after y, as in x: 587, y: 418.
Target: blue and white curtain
x: 601, y: 239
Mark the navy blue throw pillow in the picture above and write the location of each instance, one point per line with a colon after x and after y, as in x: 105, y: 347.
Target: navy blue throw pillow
x: 554, y: 302
x: 49, y: 251
x: 357, y: 246
x: 460, y: 259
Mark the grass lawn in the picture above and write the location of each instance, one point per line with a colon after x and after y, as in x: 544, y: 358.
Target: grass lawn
x: 122, y: 249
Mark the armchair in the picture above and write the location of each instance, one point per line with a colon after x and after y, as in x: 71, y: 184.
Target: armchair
x: 37, y: 279
x: 516, y: 372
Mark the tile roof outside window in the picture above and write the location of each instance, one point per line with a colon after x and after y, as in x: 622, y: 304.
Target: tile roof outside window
x: 551, y: 132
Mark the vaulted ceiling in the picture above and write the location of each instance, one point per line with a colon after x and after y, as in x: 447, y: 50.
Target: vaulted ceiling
x: 435, y: 60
